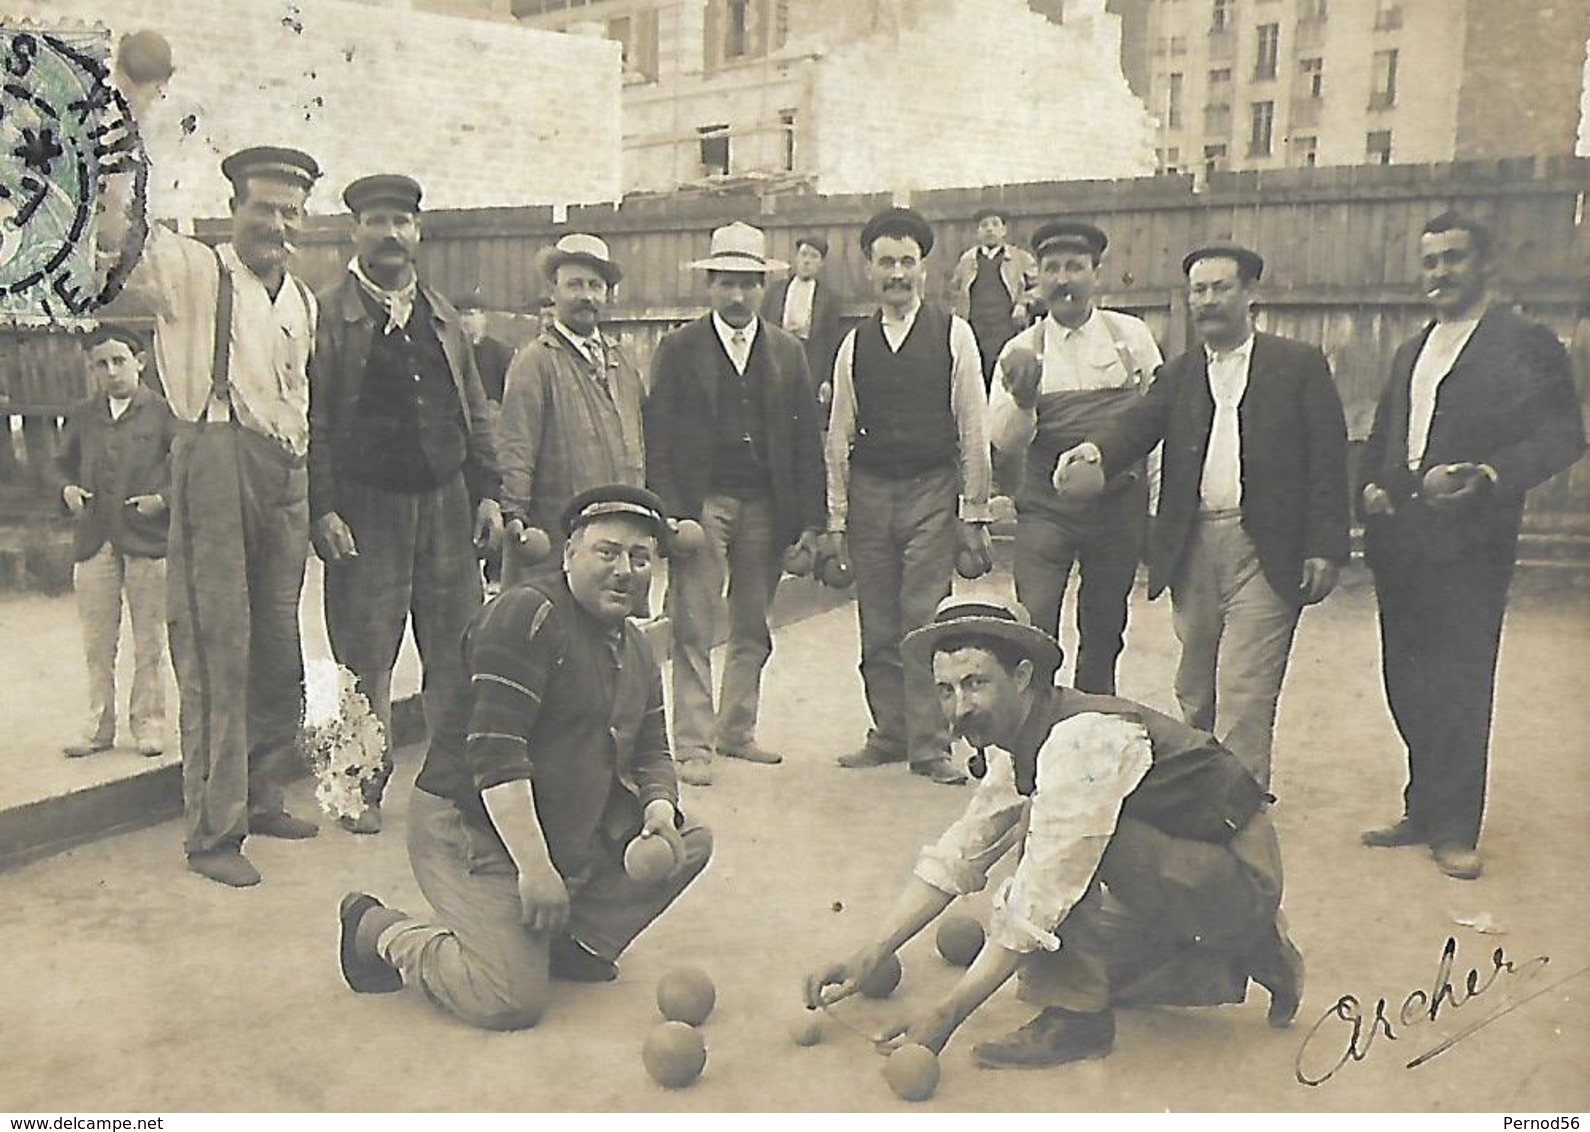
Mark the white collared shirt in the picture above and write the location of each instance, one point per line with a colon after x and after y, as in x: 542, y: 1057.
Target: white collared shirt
x: 588, y: 344
x: 1220, y: 488
x: 741, y: 354
x: 118, y: 406
x: 1436, y: 358
x: 798, y: 306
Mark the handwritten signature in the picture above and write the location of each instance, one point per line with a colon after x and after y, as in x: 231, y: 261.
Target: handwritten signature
x: 1351, y: 1021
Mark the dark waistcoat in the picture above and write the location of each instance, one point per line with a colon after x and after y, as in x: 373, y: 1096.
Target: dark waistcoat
x: 904, y: 423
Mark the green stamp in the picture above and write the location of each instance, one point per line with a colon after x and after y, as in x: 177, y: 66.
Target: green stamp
x: 63, y: 129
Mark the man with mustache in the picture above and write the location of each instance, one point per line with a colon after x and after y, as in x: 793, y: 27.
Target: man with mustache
x: 1054, y: 383
x: 234, y: 331
x: 1099, y: 792
x: 403, y: 479
x: 732, y: 445
x: 1480, y: 408
x: 522, y: 812
x: 908, y: 480
x: 1253, y: 508
x: 571, y: 410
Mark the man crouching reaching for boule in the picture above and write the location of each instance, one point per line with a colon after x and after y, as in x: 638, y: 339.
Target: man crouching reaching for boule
x: 1149, y: 872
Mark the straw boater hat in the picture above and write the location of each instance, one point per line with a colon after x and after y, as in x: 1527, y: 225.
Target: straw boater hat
x: 990, y: 617
x: 739, y: 247
x: 579, y: 247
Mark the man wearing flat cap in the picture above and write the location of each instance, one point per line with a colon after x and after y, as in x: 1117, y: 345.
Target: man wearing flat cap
x: 234, y: 333
x: 732, y: 445
x: 403, y: 479
x: 990, y: 286
x: 908, y: 481
x: 571, y: 410
x: 1253, y: 508
x: 808, y: 308
x: 522, y: 812
x: 1099, y: 792
x: 1054, y: 383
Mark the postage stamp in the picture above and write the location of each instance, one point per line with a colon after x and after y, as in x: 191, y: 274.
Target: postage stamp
x: 65, y: 132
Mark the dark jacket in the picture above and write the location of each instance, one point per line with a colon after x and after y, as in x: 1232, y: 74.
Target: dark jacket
x: 115, y: 460
x: 1293, y: 458
x: 681, y: 415
x: 336, y: 374
x: 1508, y: 401
x: 823, y: 342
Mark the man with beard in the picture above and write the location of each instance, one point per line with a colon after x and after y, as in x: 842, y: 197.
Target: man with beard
x: 908, y: 481
x: 403, y: 478
x: 1479, y: 409
x: 234, y: 331
x: 1253, y: 507
x: 1054, y: 383
x: 522, y: 812
x: 1100, y: 793
x: 731, y: 444
x: 571, y: 413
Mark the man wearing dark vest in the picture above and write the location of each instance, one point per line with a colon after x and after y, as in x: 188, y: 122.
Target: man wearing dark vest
x: 403, y: 479
x: 1100, y: 792
x: 731, y: 444
x: 1054, y: 382
x: 989, y: 287
x: 908, y: 480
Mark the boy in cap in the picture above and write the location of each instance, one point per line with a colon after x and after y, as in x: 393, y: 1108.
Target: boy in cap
x: 990, y: 285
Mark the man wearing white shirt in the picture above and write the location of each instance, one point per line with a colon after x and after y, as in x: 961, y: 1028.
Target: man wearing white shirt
x: 1253, y: 511
x: 1097, y: 791
x: 1480, y: 408
x: 1054, y: 383
x: 908, y: 482
x: 806, y: 305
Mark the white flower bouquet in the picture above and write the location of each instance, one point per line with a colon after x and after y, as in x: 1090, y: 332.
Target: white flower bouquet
x: 343, y: 742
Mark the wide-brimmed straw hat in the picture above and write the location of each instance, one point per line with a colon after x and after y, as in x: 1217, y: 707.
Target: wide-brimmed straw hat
x: 739, y: 247
x: 579, y: 247
x: 984, y: 617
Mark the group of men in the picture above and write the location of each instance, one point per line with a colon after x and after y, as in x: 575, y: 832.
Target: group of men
x: 357, y: 420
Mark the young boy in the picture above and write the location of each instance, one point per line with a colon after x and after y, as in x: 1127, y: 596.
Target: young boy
x: 116, y: 467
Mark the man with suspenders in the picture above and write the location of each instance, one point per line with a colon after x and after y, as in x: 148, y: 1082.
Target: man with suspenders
x: 233, y: 334
x: 1054, y: 382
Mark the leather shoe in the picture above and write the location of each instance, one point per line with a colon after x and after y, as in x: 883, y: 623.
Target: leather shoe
x: 941, y: 770
x: 85, y: 748
x: 1052, y: 1037
x: 225, y: 866
x: 281, y: 824
x: 1457, y: 861
x: 1278, y: 968
x: 365, y: 973
x: 753, y: 754
x: 573, y: 962
x: 694, y: 772
x: 369, y: 821
x: 1393, y: 836
x: 868, y: 755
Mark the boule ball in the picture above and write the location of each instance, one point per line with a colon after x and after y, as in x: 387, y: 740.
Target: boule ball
x: 689, y: 538
x: 882, y: 979
x: 798, y: 561
x: 534, y: 545
x: 807, y: 1030
x: 686, y: 995
x: 1081, y: 481
x: 674, y: 1054
x: 959, y: 939
x: 649, y: 860
x: 834, y: 574
x: 1447, y: 479
x: 969, y: 564
x: 912, y: 1072
x: 145, y: 57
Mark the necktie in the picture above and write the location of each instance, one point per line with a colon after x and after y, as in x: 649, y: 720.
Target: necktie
x: 593, y: 352
x: 1222, y: 469
x: 739, y: 351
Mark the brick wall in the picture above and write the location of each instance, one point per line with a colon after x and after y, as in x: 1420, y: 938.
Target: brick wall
x: 482, y: 113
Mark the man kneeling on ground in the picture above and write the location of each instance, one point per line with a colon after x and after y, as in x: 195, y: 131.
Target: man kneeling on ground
x: 522, y: 811
x: 1149, y: 871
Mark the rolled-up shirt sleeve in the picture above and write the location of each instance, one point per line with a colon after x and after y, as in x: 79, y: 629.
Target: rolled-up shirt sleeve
x: 841, y: 434
x: 1087, y: 767
x: 995, y: 817
x: 969, y: 403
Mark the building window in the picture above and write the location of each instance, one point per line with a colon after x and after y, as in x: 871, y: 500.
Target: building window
x: 1305, y: 149
x: 1262, y: 128
x: 1220, y: 16
x: 1172, y: 45
x: 786, y: 119
x: 1169, y: 159
x: 1384, y: 92
x: 1311, y: 77
x: 737, y: 29
x: 637, y: 34
x: 1388, y: 15
x: 1214, y: 158
x: 1220, y: 76
x: 714, y: 149
x: 1312, y: 11
x: 1173, y: 101
x: 1377, y: 147
x: 1269, y: 51
x: 1217, y: 119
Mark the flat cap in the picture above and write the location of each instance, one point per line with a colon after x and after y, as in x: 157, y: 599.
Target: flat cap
x: 1250, y: 264
x: 1070, y: 235
x: 273, y: 161
x: 899, y: 223
x: 818, y: 244
x: 617, y: 499
x: 383, y: 188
